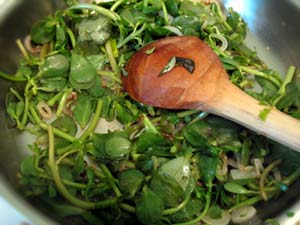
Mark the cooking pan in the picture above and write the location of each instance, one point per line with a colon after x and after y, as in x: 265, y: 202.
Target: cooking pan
x: 274, y: 32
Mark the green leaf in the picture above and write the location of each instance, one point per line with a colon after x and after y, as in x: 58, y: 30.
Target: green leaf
x: 66, y: 124
x: 83, y: 73
x: 168, y: 189
x: 117, y: 147
x: 269, y: 89
x: 172, y: 7
x: 235, y: 188
x: 263, y: 114
x: 130, y: 182
x: 149, y: 139
x: 79, y: 164
x: 98, y: 60
x: 52, y: 191
x: 55, y: 65
x: 189, y: 25
x: 97, y: 90
x: 149, y: 207
x: 292, y: 95
x: 197, y: 133
x: 177, y: 169
x: 43, y: 31
x: 55, y: 84
x: 239, y: 28
x: 123, y: 115
x: 192, y: 208
x: 208, y: 166
x: 100, y: 140
x: 20, y: 108
x: 27, y: 166
x: 83, y: 110
x: 60, y: 36
x: 193, y: 9
x: 96, y: 29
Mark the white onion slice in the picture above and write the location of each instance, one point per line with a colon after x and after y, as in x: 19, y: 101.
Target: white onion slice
x: 242, y: 214
x: 224, y: 220
x: 237, y: 174
x: 221, y: 38
x: 174, y: 30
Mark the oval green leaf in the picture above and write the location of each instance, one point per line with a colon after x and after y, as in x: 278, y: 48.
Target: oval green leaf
x: 149, y: 207
x: 82, y: 74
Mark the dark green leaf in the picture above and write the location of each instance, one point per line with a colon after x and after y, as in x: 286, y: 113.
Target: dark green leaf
x: 149, y: 207
x: 52, y: 191
x: 130, y: 182
x: 79, y: 164
x: 123, y: 115
x: 172, y: 7
x: 66, y: 124
x: 208, y: 166
x: 83, y: 110
x: 43, y: 31
x: 149, y: 139
x: 97, y: 90
x: 292, y: 95
x: 192, y: 208
x: 198, y: 133
x: 27, y: 166
x: 168, y: 189
x: 269, y: 89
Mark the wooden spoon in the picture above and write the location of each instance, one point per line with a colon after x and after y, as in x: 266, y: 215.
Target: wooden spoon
x: 207, y: 88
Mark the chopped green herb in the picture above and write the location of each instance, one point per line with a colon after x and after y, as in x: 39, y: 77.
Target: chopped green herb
x: 264, y: 113
x: 150, y: 51
x: 171, y: 64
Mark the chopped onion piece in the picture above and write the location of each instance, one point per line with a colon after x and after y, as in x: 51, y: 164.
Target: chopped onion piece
x: 224, y: 170
x: 224, y: 220
x: 174, y: 30
x: 232, y: 163
x: 29, y: 47
x: 222, y: 39
x: 258, y: 166
x: 44, y: 110
x: 277, y: 175
x: 238, y: 174
x: 242, y: 214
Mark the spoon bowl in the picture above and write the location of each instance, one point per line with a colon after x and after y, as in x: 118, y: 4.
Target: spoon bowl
x: 207, y: 88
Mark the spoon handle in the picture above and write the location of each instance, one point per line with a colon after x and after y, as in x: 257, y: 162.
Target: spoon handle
x: 236, y: 105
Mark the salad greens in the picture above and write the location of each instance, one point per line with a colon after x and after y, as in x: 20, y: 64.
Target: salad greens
x: 160, y: 166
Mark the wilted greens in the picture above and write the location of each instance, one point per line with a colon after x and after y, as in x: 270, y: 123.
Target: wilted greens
x: 101, y: 158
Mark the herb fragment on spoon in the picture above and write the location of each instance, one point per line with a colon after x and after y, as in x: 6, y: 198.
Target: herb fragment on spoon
x: 150, y: 51
x: 188, y: 64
